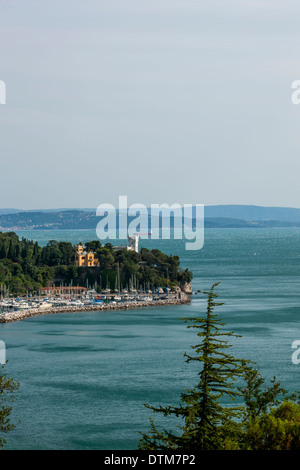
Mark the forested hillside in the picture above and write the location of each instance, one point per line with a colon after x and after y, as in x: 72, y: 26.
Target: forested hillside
x: 26, y: 266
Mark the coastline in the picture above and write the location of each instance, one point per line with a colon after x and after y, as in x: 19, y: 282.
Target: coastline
x: 23, y: 314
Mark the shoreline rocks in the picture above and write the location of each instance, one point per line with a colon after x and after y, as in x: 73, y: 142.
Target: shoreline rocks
x: 186, y: 288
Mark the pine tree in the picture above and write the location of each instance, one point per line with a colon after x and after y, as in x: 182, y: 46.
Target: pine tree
x: 11, y: 251
x: 207, y: 422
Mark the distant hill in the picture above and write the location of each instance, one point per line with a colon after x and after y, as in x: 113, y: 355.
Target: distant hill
x: 253, y: 213
x: 64, y: 219
x: 215, y: 217
x: 18, y: 211
x: 234, y: 211
x: 227, y: 222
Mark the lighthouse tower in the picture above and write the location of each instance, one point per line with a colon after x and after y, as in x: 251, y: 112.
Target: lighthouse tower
x: 133, y: 241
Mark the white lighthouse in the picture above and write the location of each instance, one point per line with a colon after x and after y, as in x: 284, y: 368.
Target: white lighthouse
x: 133, y: 241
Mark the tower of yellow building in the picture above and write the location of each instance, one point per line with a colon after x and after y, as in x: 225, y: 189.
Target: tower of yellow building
x: 84, y: 258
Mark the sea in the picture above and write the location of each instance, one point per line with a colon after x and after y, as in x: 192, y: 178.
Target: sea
x: 85, y: 377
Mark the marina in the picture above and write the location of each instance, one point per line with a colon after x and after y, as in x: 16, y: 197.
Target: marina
x: 16, y: 309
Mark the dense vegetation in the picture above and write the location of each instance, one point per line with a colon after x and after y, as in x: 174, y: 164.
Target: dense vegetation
x: 8, y: 390
x: 25, y: 266
x: 265, y: 417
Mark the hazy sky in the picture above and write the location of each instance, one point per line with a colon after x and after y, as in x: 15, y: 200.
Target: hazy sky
x: 165, y: 101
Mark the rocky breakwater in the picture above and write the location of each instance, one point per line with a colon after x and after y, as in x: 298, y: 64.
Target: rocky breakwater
x: 22, y: 314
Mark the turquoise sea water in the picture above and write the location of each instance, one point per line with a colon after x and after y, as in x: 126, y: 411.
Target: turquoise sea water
x: 85, y: 376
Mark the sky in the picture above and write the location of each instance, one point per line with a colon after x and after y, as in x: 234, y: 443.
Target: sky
x: 164, y: 101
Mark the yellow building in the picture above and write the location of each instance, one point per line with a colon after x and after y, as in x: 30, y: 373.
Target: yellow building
x: 84, y: 258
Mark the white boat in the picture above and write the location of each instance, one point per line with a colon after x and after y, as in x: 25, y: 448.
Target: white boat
x: 76, y: 303
x: 144, y: 298
x: 45, y: 305
x: 22, y: 305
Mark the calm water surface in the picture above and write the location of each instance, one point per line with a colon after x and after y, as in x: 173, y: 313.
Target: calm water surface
x: 85, y: 376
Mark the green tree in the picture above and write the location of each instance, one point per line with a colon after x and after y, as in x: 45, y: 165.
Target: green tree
x: 67, y: 253
x: 278, y: 429
x: 93, y: 246
x: 207, y: 422
x: 11, y: 250
x: 8, y: 389
x: 271, y: 416
x: 106, y: 257
x: 260, y: 397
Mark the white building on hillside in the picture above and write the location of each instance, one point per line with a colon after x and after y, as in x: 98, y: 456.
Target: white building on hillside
x: 133, y: 241
x: 133, y: 244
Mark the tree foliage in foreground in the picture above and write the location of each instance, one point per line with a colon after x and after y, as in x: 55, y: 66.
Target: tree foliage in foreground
x: 266, y: 418
x: 8, y: 389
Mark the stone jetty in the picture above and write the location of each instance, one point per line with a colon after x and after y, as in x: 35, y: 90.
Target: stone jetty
x: 22, y: 314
